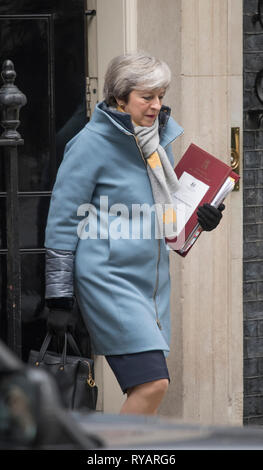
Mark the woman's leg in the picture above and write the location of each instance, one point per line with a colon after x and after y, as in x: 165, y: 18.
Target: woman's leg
x: 145, y: 398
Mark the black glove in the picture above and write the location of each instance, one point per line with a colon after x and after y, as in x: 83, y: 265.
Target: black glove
x: 62, y: 315
x: 209, y: 216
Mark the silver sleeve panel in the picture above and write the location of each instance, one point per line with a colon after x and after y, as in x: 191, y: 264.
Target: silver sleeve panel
x: 59, y: 273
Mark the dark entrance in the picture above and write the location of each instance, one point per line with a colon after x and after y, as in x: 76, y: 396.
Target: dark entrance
x: 45, y: 39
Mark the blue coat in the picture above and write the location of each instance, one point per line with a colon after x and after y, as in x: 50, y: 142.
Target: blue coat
x: 121, y: 280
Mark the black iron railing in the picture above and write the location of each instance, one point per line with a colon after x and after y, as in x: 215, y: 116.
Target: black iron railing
x: 11, y: 100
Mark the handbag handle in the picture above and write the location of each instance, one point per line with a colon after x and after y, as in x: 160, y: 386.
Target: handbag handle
x: 68, y: 338
x: 73, y: 344
x: 44, y: 347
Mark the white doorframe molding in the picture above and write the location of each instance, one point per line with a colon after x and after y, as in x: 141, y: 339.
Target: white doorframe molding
x: 130, y: 25
x: 116, y: 32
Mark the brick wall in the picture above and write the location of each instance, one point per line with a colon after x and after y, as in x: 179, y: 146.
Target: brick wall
x: 253, y: 216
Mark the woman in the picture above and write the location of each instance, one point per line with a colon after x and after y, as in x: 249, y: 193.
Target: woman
x: 119, y: 166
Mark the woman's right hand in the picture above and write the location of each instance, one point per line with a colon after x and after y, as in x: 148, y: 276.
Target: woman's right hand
x: 62, y: 316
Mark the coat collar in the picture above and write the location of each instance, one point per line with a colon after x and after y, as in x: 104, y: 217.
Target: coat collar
x: 105, y: 117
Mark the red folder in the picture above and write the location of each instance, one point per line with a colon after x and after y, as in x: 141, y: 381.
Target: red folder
x: 211, y: 171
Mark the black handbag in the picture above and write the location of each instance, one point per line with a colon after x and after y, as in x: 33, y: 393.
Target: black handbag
x: 74, y: 375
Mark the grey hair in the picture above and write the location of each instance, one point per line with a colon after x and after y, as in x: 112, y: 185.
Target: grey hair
x: 136, y: 71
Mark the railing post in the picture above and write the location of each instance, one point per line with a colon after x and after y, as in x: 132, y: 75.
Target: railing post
x: 11, y: 100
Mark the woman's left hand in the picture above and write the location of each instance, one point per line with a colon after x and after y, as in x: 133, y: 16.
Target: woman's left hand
x: 209, y: 216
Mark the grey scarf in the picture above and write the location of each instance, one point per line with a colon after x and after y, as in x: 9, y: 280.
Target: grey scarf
x: 163, y: 179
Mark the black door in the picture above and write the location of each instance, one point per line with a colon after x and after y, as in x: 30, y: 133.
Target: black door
x: 46, y: 41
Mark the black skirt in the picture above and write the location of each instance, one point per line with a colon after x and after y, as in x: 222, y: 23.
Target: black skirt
x: 138, y: 368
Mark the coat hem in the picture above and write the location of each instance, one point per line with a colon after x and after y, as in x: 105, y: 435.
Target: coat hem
x: 129, y: 351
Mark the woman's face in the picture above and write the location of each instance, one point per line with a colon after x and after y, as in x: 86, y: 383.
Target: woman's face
x: 144, y: 106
